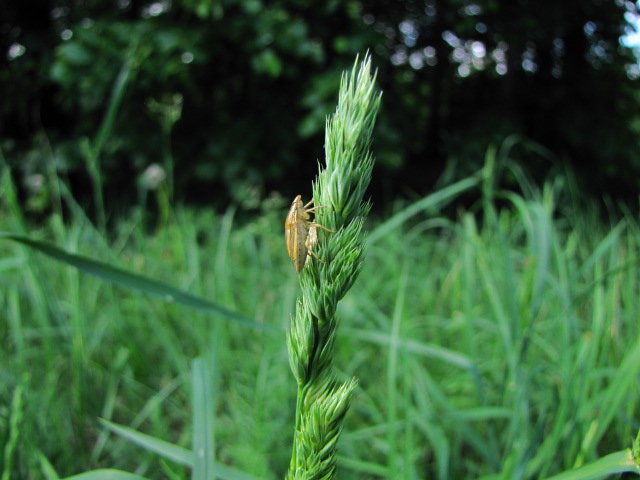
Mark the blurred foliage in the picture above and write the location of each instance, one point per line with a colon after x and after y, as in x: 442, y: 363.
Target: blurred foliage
x: 255, y: 81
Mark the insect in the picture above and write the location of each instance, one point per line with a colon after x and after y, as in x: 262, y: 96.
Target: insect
x: 300, y: 232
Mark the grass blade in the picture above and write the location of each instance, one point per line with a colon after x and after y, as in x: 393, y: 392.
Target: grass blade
x: 361, y: 466
x: 428, y: 350
x: 127, y: 279
x: 171, y: 451
x: 613, y: 397
x: 439, y: 198
x: 617, y: 462
x: 602, y: 248
x: 106, y: 474
x: 168, y: 450
x: 204, y: 467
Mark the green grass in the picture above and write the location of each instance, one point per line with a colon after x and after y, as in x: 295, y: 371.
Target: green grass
x: 502, y: 344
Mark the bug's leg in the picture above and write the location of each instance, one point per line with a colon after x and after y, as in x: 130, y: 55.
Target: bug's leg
x: 311, y: 240
x: 306, y: 209
x: 310, y: 253
x: 314, y: 208
x: 317, y: 225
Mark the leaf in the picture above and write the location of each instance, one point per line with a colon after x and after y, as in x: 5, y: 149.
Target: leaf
x: 106, y: 474
x: 436, y: 199
x: 428, y: 350
x: 204, y: 465
x: 165, y: 449
x: 170, y: 451
x: 613, y: 463
x: 127, y: 279
x: 268, y: 62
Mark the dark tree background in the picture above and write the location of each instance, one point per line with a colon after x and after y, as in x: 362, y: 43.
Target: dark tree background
x: 249, y: 83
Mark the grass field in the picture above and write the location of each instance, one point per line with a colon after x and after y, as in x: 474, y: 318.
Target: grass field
x: 500, y: 341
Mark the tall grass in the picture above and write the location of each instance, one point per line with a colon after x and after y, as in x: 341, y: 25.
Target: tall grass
x: 502, y: 343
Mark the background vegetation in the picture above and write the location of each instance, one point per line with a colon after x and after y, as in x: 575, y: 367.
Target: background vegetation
x: 502, y: 344
x: 494, y: 328
x: 236, y: 92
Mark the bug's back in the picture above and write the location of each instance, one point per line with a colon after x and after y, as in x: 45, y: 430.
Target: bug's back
x: 296, y: 230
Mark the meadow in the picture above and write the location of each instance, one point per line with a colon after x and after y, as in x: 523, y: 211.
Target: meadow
x: 495, y: 341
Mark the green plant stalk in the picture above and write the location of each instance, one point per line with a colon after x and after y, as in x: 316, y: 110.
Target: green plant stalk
x: 322, y: 401
x: 168, y: 111
x: 167, y: 158
x: 93, y: 150
x: 15, y: 418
